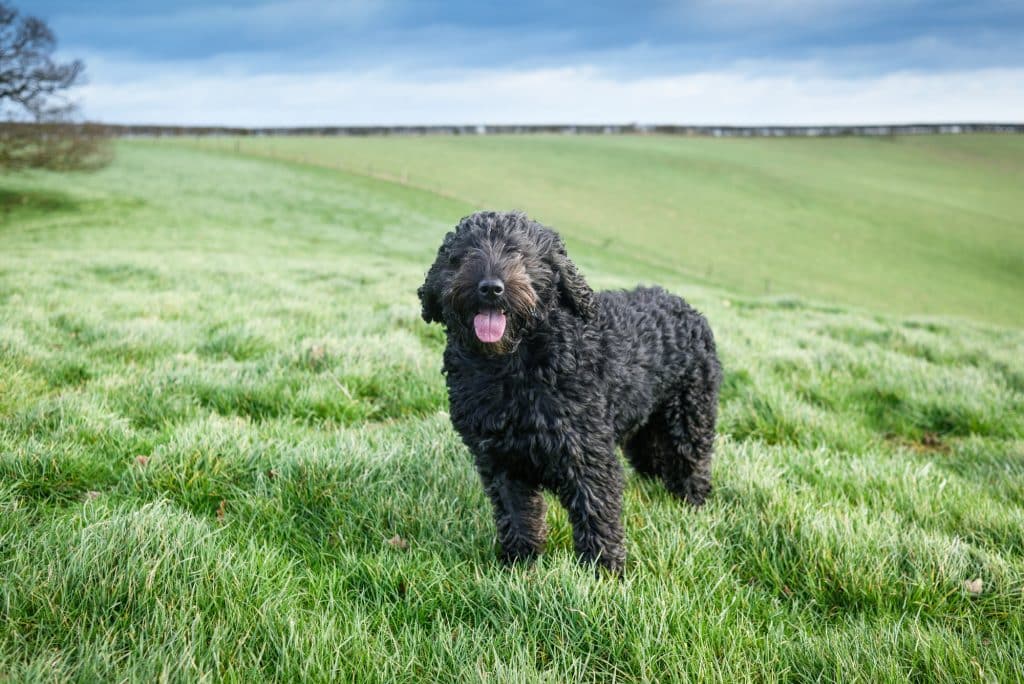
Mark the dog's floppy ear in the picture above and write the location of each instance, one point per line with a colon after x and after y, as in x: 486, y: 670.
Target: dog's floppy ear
x: 430, y: 291
x: 572, y: 287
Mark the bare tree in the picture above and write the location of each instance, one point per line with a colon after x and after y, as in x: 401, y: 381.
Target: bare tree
x: 38, y: 128
x: 30, y: 79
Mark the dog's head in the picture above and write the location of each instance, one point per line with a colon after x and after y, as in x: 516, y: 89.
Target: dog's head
x: 496, y: 276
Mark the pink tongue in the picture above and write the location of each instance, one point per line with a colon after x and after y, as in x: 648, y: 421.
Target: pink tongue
x: 490, y: 325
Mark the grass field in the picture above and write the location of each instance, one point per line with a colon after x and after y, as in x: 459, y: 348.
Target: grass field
x: 906, y: 225
x: 224, y: 452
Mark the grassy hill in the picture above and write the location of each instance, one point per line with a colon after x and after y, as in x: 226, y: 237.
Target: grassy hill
x: 224, y: 452
x: 910, y: 225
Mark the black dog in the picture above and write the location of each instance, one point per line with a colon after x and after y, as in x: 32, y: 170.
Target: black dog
x: 545, y: 378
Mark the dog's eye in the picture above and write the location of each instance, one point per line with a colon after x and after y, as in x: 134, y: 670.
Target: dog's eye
x: 454, y: 260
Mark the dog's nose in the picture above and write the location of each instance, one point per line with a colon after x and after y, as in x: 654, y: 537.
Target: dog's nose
x: 491, y: 287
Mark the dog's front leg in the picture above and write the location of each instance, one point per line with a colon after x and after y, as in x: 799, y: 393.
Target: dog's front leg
x: 519, y: 515
x: 593, y: 498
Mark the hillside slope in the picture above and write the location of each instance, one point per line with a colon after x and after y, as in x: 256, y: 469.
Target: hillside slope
x: 224, y: 453
x: 909, y: 225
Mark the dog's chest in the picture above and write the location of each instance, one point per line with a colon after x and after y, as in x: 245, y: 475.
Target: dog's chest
x: 515, y: 413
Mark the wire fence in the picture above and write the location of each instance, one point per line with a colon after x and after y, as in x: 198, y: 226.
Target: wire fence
x: 587, y: 129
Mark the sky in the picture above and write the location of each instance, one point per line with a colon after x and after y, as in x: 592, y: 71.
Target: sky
x: 378, y: 62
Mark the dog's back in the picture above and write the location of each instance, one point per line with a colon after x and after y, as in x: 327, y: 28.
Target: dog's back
x: 652, y: 343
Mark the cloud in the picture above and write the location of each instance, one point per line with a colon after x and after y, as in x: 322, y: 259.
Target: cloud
x: 654, y: 37
x: 308, y: 62
x: 561, y: 95
x: 189, y: 30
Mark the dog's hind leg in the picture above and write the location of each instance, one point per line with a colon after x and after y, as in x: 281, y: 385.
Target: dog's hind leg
x: 648, y: 448
x: 690, y: 419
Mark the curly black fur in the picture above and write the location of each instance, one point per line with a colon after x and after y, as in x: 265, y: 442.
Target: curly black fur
x: 574, y: 374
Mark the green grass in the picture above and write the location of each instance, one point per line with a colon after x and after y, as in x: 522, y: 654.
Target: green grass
x: 905, y: 225
x: 248, y: 327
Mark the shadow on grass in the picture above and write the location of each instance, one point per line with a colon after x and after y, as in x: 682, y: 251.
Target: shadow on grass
x: 21, y: 202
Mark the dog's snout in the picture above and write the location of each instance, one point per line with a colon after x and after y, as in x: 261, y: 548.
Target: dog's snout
x: 491, y: 287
